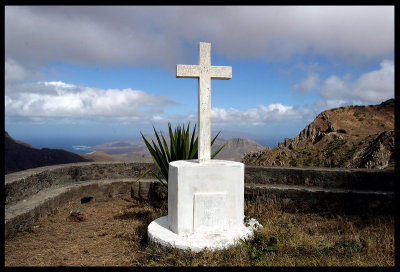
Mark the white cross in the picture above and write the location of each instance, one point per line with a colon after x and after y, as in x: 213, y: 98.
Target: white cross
x: 204, y: 72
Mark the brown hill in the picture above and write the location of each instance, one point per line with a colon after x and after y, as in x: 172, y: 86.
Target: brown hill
x: 20, y: 156
x: 236, y: 148
x: 124, y: 150
x: 349, y: 137
x: 99, y: 156
x: 134, y: 156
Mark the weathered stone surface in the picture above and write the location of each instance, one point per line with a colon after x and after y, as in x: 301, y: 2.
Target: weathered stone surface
x: 20, y: 185
x: 317, y: 199
x: 204, y: 72
x: 219, y: 183
x: 360, y: 179
x: 145, y: 189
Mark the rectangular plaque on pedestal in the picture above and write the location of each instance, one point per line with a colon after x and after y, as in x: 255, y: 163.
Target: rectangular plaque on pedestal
x: 209, y: 212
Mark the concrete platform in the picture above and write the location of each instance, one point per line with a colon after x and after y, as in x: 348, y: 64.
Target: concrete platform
x: 159, y: 232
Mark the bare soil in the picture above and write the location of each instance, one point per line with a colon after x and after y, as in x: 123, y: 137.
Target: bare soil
x: 114, y: 234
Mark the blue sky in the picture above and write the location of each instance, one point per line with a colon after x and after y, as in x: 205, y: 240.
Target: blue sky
x: 90, y: 74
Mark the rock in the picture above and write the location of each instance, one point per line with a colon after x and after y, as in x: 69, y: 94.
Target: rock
x: 148, y: 190
x: 381, y: 151
x: 158, y: 191
x: 86, y: 199
x: 140, y: 189
x: 76, y: 215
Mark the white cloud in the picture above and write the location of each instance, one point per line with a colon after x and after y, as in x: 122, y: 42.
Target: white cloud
x: 308, y: 84
x: 376, y: 85
x: 371, y: 87
x: 157, y: 118
x: 254, y: 116
x: 68, y: 100
x: 139, y: 35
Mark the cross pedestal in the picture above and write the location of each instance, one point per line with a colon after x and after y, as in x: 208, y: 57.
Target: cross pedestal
x: 205, y: 206
x: 205, y: 197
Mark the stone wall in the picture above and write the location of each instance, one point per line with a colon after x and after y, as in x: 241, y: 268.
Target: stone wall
x: 35, y: 192
x: 21, y: 185
x: 323, y: 190
x: 352, y: 179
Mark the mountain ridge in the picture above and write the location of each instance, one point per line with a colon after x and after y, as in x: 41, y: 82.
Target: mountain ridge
x: 20, y: 156
x: 125, y: 150
x: 348, y: 137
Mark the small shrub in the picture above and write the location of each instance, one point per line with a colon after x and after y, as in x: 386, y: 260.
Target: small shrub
x: 180, y: 148
x: 307, y: 162
x: 258, y: 246
x: 333, y: 146
x: 349, y: 154
x: 293, y: 162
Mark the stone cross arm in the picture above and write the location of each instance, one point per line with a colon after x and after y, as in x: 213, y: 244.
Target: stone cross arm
x: 204, y: 72
x: 196, y: 71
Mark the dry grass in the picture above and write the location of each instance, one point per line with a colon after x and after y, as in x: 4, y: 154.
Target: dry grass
x: 115, y: 235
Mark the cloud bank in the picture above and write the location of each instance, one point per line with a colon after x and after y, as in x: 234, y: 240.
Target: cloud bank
x: 308, y: 84
x: 56, y: 99
x: 369, y: 88
x: 260, y: 115
x: 137, y: 35
x: 166, y: 35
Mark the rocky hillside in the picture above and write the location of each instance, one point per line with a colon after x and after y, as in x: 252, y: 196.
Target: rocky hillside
x: 348, y: 137
x: 20, y: 156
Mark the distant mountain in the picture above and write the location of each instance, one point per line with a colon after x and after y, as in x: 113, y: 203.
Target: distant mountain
x: 20, y: 156
x: 236, y: 148
x: 125, y: 150
x: 348, y: 137
x: 122, y: 147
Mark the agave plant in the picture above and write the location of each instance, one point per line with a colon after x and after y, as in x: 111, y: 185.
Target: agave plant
x: 180, y: 148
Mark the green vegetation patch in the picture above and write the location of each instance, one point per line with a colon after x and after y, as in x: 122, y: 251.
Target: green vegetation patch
x: 358, y: 110
x: 318, y: 162
x: 349, y: 154
x: 303, y: 152
x: 293, y: 162
x: 307, y: 162
x: 334, y: 145
x: 281, y: 158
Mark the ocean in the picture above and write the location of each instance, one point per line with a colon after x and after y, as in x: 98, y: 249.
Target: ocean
x: 74, y: 145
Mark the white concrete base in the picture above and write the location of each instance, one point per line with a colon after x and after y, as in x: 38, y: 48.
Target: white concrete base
x: 205, y: 197
x: 158, y: 231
